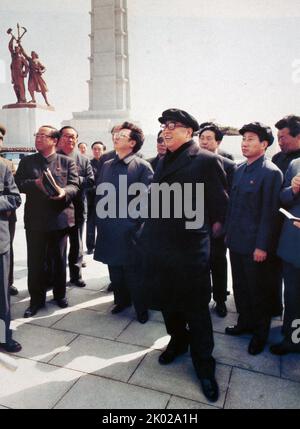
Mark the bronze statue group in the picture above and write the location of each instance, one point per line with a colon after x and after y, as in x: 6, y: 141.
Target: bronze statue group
x: 21, y: 65
x: 158, y: 262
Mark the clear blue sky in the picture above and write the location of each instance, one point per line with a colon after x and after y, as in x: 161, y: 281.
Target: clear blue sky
x: 230, y: 60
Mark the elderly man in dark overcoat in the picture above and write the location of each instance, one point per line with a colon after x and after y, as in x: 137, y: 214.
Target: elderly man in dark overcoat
x: 177, y: 253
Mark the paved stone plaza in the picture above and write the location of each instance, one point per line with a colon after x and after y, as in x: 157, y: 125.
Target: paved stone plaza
x: 84, y: 357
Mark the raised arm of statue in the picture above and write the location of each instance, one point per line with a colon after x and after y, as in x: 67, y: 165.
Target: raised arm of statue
x: 11, y: 45
x: 28, y: 58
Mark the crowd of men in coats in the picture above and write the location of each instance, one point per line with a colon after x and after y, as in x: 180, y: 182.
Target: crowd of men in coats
x: 156, y: 262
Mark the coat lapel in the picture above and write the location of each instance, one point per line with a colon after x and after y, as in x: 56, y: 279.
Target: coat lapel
x: 183, y: 159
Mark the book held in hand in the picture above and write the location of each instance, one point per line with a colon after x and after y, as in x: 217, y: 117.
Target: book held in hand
x: 50, y: 184
x: 289, y: 215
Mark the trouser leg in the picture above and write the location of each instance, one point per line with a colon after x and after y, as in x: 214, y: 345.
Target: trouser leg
x: 57, y: 242
x: 258, y: 286
x: 218, y: 266
x: 176, y: 326
x: 133, y: 280
x: 201, y: 342
x: 5, y: 331
x: 240, y: 290
x: 91, y: 228
x: 12, y: 229
x: 120, y: 289
x: 75, y: 252
x: 36, y: 257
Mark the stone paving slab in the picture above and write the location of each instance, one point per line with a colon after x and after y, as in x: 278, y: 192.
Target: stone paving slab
x: 88, y: 322
x: 234, y: 351
x: 34, y: 385
x: 41, y: 344
x: 177, y: 403
x: 92, y: 392
x: 290, y: 366
x: 46, y: 317
x: 96, y: 283
x: 178, y: 379
x: 249, y: 390
x: 107, y: 358
x: 90, y: 299
x: 151, y: 334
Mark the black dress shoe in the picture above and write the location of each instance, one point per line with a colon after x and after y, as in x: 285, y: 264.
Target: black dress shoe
x: 11, y: 347
x: 171, y: 353
x: 143, y: 317
x: 78, y: 282
x: 62, y: 303
x: 283, y: 348
x: 210, y: 388
x: 235, y: 330
x: 13, y: 291
x: 32, y: 310
x: 256, y: 346
x: 119, y: 308
x: 221, y: 309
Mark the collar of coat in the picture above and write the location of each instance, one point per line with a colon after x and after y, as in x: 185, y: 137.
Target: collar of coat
x: 183, y: 159
x: 126, y: 160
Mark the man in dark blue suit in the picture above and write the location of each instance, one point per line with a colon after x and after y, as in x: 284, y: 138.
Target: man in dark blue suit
x: 289, y: 251
x: 253, y: 209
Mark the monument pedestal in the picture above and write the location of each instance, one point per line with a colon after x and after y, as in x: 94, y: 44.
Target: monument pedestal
x: 22, y: 120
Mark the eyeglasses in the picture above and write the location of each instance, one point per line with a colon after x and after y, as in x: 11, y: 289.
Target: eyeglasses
x: 41, y: 135
x: 122, y: 135
x: 172, y: 125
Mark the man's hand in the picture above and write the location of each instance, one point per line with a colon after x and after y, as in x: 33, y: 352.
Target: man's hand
x: 297, y: 224
x: 296, y: 184
x: 62, y: 194
x: 259, y: 255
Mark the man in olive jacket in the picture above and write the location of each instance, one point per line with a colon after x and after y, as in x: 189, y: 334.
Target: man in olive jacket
x: 177, y: 256
x: 47, y: 219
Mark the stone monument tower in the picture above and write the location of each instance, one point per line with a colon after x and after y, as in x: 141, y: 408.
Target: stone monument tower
x: 109, y: 91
